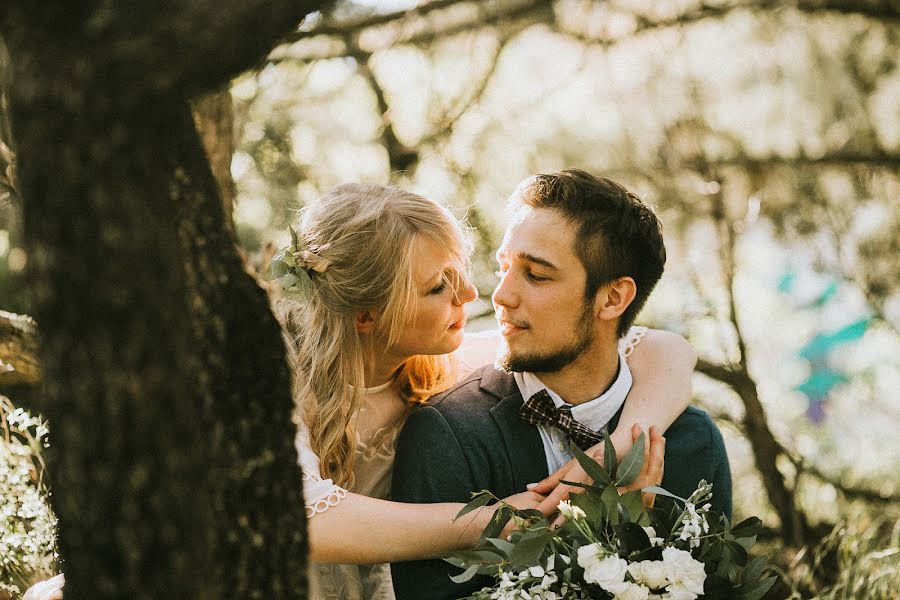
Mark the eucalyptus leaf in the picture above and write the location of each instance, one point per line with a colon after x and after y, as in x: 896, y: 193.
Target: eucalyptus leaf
x: 465, y: 575
x: 502, y: 545
x: 295, y: 242
x: 632, y: 538
x: 632, y: 505
x: 528, y: 552
x: 752, y: 571
x: 610, y: 498
x: 632, y: 462
x: 591, y: 467
x: 498, y: 522
x: 478, y: 500
x: 747, y: 528
x: 756, y: 590
x: 609, y: 455
x: 662, y: 492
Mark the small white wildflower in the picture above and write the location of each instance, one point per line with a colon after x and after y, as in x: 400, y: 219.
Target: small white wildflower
x: 654, y: 539
x: 569, y: 511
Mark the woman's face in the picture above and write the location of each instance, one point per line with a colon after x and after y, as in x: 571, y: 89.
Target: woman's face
x: 443, y: 291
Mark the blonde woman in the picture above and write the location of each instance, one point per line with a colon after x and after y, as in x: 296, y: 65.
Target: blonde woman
x: 379, y: 329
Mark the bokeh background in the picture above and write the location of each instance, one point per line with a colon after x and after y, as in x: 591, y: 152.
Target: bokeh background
x: 767, y: 134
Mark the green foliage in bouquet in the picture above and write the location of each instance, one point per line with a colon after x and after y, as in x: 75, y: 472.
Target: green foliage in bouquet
x: 612, y: 546
x: 27, y: 524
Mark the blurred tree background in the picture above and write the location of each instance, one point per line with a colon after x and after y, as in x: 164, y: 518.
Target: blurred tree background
x: 766, y: 133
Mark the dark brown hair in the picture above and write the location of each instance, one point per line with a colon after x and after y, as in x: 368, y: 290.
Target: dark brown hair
x: 618, y: 235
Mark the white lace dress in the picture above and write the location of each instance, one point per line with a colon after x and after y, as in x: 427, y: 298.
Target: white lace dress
x: 378, y: 424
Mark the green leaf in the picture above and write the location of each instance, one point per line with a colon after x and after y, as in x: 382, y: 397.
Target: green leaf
x: 465, y: 575
x: 478, y: 500
x: 502, y: 545
x: 591, y: 506
x: 632, y: 504
x: 528, y: 552
x: 749, y: 527
x: 295, y: 243
x: 753, y: 570
x: 756, y: 590
x: 610, y: 498
x: 591, y: 467
x: 498, y: 521
x: 632, y: 538
x: 662, y: 492
x: 609, y: 455
x: 632, y: 462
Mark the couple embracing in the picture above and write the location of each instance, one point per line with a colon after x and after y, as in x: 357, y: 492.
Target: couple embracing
x: 395, y: 402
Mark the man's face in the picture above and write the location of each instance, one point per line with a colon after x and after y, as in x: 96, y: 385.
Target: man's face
x: 539, y: 302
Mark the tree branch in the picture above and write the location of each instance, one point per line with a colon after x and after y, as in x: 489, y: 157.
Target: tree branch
x: 18, y: 350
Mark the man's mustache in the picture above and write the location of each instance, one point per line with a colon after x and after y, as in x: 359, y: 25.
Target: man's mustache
x: 512, y: 321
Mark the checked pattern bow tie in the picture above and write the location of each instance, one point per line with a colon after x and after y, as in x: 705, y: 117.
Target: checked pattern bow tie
x: 540, y: 410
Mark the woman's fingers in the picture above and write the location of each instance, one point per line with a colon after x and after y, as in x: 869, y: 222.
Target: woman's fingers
x: 656, y: 465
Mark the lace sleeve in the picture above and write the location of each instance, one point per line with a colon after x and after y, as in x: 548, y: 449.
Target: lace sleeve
x: 631, y: 339
x: 318, y: 494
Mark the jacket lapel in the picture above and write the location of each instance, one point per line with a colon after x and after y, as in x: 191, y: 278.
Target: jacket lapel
x: 524, y: 448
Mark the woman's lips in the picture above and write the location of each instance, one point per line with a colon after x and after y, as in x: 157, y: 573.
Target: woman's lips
x: 458, y: 325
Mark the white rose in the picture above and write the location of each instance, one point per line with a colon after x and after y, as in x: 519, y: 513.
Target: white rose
x: 590, y: 555
x: 633, y: 591
x: 685, y: 574
x: 651, y: 573
x: 608, y: 573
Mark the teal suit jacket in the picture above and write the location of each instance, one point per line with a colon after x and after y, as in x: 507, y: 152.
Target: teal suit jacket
x: 471, y: 438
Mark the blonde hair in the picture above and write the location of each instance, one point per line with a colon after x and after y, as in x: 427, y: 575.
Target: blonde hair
x: 366, y: 235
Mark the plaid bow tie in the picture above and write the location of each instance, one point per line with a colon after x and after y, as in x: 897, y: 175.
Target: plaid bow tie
x: 540, y: 410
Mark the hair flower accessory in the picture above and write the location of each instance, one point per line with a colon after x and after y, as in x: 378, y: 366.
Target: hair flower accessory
x: 292, y: 266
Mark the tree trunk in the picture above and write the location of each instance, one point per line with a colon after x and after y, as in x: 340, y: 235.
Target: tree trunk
x: 163, y: 370
x: 214, y: 118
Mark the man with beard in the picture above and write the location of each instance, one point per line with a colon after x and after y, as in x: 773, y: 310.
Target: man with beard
x: 577, y: 264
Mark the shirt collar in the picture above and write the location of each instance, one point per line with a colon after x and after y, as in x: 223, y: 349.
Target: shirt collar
x: 595, y: 413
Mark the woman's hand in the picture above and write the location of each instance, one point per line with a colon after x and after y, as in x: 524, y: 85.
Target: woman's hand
x: 651, y: 472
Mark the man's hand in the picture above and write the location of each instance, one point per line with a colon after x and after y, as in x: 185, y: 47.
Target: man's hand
x: 651, y: 473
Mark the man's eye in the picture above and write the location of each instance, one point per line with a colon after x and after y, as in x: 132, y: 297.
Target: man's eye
x: 535, y: 277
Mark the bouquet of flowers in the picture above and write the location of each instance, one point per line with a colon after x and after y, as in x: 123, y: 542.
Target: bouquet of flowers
x: 612, y: 546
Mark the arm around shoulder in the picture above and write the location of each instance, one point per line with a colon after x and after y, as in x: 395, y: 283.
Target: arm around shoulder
x: 662, y: 367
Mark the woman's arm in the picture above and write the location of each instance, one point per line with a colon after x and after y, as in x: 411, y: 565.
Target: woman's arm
x: 661, y: 365
x: 363, y: 530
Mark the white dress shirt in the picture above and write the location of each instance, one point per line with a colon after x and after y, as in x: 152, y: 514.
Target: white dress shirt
x: 594, y: 414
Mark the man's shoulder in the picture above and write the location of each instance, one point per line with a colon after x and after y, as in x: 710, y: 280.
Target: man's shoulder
x: 480, y: 391
x: 694, y: 430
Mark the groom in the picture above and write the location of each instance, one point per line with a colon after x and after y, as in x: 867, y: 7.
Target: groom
x: 577, y: 263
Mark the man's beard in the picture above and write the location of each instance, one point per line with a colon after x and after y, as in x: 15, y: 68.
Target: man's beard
x: 555, y: 360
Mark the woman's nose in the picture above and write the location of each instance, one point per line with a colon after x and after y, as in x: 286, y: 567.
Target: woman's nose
x: 466, y: 292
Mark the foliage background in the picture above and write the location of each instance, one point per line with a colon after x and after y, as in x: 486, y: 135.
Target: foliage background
x: 768, y: 136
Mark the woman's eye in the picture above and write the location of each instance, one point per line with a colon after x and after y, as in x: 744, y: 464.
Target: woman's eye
x: 440, y: 287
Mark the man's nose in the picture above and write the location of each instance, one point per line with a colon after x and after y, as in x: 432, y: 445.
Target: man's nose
x: 504, y: 293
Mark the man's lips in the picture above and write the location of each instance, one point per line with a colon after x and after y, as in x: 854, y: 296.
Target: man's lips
x: 510, y: 327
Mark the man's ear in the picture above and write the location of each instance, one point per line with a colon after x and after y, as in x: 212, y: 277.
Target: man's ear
x: 614, y: 298
x: 365, y: 321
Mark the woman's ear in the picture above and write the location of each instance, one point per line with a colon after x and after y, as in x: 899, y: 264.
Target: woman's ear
x: 615, y: 297
x: 365, y: 321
